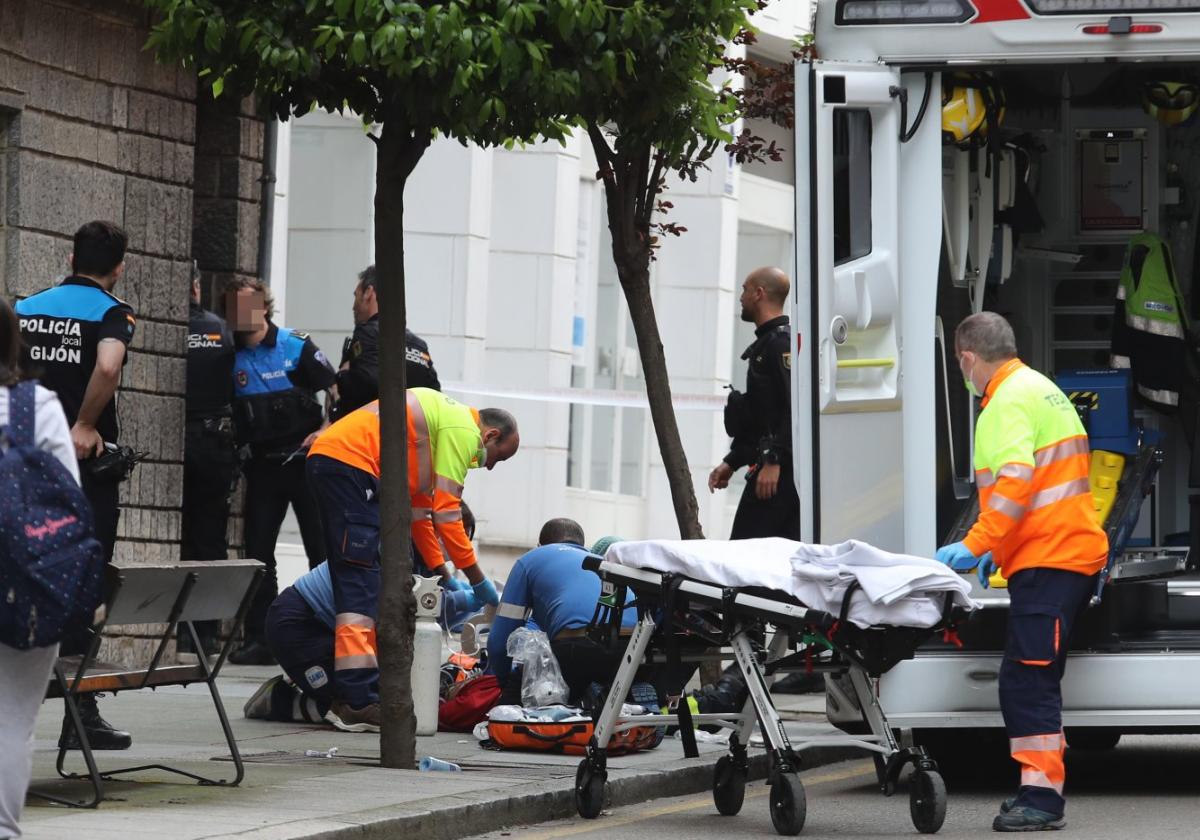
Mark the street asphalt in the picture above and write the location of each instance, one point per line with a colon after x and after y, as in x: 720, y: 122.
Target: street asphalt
x: 1145, y: 789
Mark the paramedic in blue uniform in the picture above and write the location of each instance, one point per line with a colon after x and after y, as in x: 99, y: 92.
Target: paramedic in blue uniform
x: 209, y: 451
x: 358, y: 372
x: 76, y: 334
x: 549, y: 586
x: 760, y: 420
x: 277, y: 375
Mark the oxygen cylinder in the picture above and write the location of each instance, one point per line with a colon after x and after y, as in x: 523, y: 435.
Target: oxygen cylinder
x: 427, y: 654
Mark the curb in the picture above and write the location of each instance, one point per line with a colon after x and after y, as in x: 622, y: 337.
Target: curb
x: 464, y: 815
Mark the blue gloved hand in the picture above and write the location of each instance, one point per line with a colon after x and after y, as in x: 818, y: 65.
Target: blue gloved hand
x: 958, y: 557
x: 987, y: 568
x: 454, y: 584
x: 486, y: 592
x: 462, y: 602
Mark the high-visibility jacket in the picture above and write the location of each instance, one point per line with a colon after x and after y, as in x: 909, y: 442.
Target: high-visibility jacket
x: 1150, y: 322
x: 1031, y: 468
x: 444, y: 442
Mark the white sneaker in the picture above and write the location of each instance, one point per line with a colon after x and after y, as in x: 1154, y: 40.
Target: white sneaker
x: 354, y: 720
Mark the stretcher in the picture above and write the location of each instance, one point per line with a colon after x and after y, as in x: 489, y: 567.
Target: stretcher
x: 768, y: 633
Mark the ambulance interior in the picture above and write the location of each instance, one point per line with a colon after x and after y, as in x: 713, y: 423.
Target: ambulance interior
x: 1037, y: 218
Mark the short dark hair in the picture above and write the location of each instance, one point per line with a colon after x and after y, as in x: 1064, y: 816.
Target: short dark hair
x: 367, y: 278
x: 10, y: 345
x: 498, y: 418
x: 561, y: 530
x: 254, y: 284
x: 99, y: 248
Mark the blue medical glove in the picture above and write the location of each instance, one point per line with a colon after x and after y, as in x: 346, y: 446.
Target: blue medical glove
x: 463, y: 602
x: 958, y: 557
x: 454, y: 584
x: 987, y: 568
x: 486, y: 592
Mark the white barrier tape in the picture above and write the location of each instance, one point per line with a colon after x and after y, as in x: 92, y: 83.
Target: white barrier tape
x: 588, y: 396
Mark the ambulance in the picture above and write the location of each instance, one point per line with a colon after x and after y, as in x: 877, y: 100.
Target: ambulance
x: 960, y: 155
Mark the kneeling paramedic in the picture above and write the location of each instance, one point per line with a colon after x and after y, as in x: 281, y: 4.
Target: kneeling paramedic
x: 1036, y: 525
x: 445, y: 440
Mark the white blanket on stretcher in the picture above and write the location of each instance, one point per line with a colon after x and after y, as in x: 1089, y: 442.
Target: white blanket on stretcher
x: 896, y: 589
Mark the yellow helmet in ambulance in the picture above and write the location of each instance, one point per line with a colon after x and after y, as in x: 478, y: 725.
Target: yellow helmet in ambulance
x: 970, y: 105
x: 1171, y: 103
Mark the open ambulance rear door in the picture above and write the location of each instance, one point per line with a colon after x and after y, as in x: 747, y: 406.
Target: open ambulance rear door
x: 868, y: 237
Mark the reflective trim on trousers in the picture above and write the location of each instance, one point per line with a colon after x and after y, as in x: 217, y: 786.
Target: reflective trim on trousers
x: 424, y: 450
x: 1060, y: 492
x: 1058, y: 451
x: 350, y: 663
x: 1159, y: 395
x: 356, y: 619
x: 1169, y: 329
x: 1011, y: 509
x: 419, y: 513
x: 984, y: 478
x: 1038, y: 743
x: 1036, y: 778
x: 443, y: 516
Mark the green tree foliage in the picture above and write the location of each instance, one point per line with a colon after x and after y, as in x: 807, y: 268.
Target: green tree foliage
x: 476, y: 70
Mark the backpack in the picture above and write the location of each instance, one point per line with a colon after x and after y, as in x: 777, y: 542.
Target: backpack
x: 51, y: 564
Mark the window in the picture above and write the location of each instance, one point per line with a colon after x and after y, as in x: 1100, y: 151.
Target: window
x: 607, y: 444
x: 851, y: 184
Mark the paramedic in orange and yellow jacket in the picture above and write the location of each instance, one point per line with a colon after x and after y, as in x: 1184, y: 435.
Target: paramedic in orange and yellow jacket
x: 445, y: 440
x: 1037, y: 526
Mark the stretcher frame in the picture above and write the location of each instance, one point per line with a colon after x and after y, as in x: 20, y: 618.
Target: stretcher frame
x: 745, y: 616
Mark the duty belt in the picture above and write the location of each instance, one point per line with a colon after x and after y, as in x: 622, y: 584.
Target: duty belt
x: 216, y: 425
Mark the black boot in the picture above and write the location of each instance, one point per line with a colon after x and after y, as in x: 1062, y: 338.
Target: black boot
x: 100, y: 733
x: 253, y: 652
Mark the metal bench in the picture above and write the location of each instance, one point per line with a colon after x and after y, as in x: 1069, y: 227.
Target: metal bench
x: 167, y: 595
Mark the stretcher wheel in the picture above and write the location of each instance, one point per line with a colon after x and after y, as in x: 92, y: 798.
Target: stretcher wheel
x: 927, y: 800
x: 788, y: 804
x: 729, y: 785
x: 589, y: 791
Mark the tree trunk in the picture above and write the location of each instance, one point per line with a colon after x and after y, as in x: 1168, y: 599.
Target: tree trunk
x: 398, y: 149
x: 635, y: 280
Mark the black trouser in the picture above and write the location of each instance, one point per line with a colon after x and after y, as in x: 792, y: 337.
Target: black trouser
x: 209, y: 464
x: 778, y: 516
x: 272, y: 485
x: 102, y: 496
x: 303, y: 647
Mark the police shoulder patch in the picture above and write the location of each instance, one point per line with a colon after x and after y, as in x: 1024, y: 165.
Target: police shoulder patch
x: 356, y: 349
x: 787, y: 360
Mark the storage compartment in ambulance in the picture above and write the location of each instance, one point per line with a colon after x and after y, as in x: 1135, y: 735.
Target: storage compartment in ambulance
x: 1064, y: 183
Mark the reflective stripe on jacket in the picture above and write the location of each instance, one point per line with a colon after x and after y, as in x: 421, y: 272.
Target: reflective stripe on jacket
x: 1031, y: 468
x: 444, y: 442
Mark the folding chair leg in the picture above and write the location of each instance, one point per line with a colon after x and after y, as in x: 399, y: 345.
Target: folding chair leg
x: 93, y: 774
x: 635, y: 651
x: 234, y: 752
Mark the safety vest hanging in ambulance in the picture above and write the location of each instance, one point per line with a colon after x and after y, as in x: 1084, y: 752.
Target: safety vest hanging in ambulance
x: 1150, y: 322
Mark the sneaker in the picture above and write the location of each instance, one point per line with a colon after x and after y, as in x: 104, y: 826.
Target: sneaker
x: 1024, y: 818
x: 258, y: 707
x: 349, y: 719
x: 101, y: 734
x: 252, y: 653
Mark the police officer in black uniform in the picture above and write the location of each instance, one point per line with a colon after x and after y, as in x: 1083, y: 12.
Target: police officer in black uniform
x: 76, y: 334
x: 277, y: 375
x: 358, y: 373
x: 209, y: 452
x: 759, y: 420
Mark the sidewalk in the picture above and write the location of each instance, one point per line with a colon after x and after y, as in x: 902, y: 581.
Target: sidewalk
x: 286, y: 795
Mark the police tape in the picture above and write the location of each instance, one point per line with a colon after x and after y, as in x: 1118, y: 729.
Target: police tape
x: 586, y: 396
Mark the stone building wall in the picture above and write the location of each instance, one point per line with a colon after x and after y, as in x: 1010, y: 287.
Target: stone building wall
x: 92, y: 127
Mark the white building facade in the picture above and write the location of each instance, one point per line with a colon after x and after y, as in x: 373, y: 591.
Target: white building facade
x: 511, y: 281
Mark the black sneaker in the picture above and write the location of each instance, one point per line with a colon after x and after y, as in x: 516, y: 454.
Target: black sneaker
x: 252, y: 653
x: 100, y: 733
x: 1024, y: 818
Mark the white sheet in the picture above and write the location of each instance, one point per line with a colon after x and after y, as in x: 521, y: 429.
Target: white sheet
x: 897, y: 589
